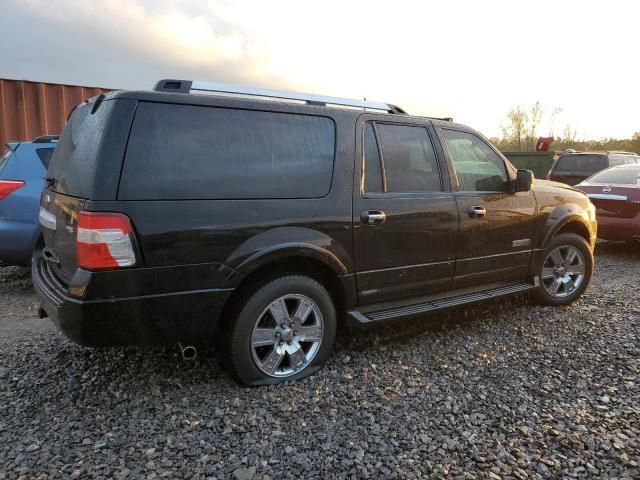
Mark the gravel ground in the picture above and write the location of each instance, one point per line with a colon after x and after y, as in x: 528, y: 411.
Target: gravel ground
x: 500, y: 390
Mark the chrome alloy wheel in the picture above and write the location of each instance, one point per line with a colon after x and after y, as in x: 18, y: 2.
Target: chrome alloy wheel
x: 287, y: 335
x: 563, y: 271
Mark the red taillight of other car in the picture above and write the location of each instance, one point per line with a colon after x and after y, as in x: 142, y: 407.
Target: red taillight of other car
x: 9, y: 186
x: 104, y: 241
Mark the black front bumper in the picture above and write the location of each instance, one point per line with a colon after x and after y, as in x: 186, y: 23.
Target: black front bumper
x: 187, y: 316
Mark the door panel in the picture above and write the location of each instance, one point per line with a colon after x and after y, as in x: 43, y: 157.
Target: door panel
x: 411, y: 253
x: 496, y: 227
x: 496, y: 247
x: 404, y: 241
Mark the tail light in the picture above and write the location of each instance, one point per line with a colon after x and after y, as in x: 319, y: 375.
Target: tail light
x: 9, y: 186
x: 104, y: 241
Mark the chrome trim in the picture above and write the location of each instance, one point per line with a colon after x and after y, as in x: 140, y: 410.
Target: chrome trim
x: 407, y: 267
x: 604, y: 196
x: 524, y: 242
x: 284, y: 95
x: 493, y: 255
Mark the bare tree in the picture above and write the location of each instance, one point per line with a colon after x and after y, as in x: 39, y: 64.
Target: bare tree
x: 520, y: 128
x: 533, y: 122
x: 569, y: 135
x: 514, y: 128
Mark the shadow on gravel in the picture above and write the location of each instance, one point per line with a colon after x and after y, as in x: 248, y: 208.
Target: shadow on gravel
x: 403, y: 331
x: 624, y: 250
x: 161, y: 368
x: 15, y: 279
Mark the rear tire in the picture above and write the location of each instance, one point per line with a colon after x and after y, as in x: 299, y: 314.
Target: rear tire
x: 283, y: 330
x: 565, y: 270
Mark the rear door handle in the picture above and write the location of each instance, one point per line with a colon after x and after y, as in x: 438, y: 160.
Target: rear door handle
x: 373, y: 217
x: 477, y: 211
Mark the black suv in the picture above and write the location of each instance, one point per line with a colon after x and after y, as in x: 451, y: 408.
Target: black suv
x: 262, y: 219
x: 573, y: 168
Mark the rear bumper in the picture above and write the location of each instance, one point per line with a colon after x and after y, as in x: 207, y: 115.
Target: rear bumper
x: 189, y: 316
x: 17, y: 240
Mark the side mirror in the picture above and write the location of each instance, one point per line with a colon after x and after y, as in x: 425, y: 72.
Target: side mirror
x: 524, y: 181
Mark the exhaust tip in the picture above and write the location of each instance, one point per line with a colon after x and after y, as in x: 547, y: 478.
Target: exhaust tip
x: 189, y: 352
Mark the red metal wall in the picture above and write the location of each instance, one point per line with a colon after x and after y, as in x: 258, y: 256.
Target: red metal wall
x: 29, y: 109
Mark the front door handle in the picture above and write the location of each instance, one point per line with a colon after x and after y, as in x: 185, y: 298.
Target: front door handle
x: 373, y: 217
x: 477, y: 211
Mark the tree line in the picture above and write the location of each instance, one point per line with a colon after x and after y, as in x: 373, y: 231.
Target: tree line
x: 519, y: 131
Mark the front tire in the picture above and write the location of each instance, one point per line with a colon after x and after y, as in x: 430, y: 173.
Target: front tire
x: 284, y: 331
x: 565, y: 270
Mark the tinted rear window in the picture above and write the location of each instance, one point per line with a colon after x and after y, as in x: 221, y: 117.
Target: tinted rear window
x: 617, y: 176
x: 74, y: 161
x: 586, y: 164
x: 191, y: 152
x: 44, y: 154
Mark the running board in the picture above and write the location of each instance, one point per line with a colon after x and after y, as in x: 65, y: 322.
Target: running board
x: 441, y: 304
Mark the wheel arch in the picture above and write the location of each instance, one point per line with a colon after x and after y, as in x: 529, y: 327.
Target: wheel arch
x: 569, y: 223
x: 306, y: 262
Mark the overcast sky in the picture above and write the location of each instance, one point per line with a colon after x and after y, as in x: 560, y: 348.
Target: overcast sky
x: 472, y: 60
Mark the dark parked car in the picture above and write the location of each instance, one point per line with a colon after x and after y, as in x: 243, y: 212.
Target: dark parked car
x: 262, y: 223
x: 573, y: 168
x: 23, y: 166
x: 616, y: 194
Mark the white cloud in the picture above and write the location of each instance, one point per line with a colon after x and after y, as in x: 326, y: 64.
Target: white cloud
x: 467, y: 59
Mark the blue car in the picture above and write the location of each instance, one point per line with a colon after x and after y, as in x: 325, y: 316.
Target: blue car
x: 23, y: 167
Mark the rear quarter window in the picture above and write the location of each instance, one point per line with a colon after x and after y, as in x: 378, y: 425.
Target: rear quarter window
x: 185, y: 152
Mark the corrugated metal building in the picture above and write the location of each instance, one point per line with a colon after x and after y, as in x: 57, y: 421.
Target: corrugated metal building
x: 29, y: 109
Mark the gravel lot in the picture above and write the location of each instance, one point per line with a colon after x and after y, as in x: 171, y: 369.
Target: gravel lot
x: 500, y: 390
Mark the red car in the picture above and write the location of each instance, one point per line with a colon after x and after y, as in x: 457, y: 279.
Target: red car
x: 616, y: 194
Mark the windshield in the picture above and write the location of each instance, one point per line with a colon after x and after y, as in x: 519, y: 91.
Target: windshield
x: 617, y: 176
x: 582, y: 163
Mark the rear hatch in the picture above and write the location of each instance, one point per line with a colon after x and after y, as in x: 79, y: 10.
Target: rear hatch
x: 575, y: 167
x: 69, y: 184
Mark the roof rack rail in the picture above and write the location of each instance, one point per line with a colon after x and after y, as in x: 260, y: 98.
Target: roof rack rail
x: 46, y: 139
x: 187, y: 86
x: 621, y: 152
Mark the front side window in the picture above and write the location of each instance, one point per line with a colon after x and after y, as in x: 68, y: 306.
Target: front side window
x: 478, y: 167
